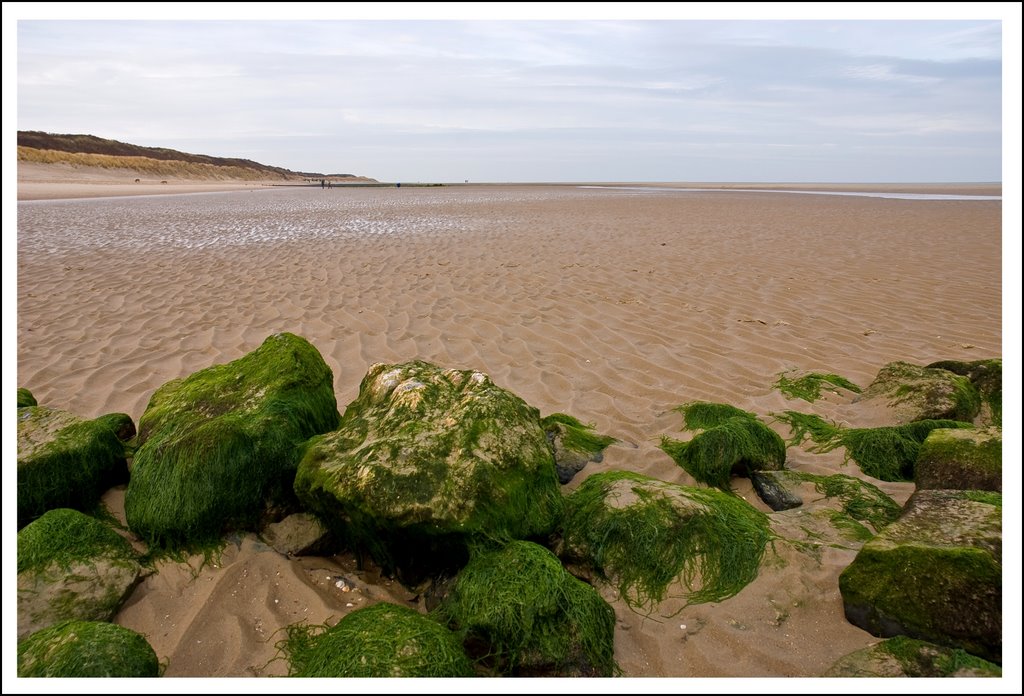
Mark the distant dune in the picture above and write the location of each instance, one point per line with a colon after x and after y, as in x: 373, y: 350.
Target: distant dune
x: 61, y: 156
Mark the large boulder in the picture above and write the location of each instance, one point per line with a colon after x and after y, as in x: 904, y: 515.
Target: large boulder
x: 86, y: 649
x: 907, y: 657
x: 934, y: 574
x: 646, y: 536
x: 987, y: 377
x: 520, y: 611
x: 71, y: 566
x: 915, y: 393
x: 428, y: 461
x: 382, y: 640
x: 65, y: 461
x: 215, y: 448
x: 964, y: 459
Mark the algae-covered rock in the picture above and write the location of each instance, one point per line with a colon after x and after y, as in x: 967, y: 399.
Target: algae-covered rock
x: 920, y: 393
x: 216, y: 447
x: 71, y: 566
x: 906, y: 657
x: 86, y: 649
x: 66, y: 461
x: 737, y: 446
x: 733, y: 441
x: 934, y: 574
x: 382, y: 640
x: 644, y: 536
x: 887, y: 453
x: 427, y: 461
x: 964, y: 459
x: 987, y: 377
x: 520, y: 610
x: 25, y: 398
x: 574, y: 444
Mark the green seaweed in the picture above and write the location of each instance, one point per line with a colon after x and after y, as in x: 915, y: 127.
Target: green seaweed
x: 734, y: 445
x: 216, y: 447
x: 887, y: 453
x: 65, y: 461
x: 86, y: 649
x: 576, y: 436
x: 64, y: 537
x: 382, y: 640
x: 861, y: 500
x: 528, y: 616
x: 987, y: 497
x: 644, y: 535
x: 808, y: 387
x: 25, y: 398
x: 701, y: 415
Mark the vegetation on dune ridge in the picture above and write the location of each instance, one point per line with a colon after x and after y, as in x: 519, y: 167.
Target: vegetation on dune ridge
x: 93, y: 145
x: 25, y: 398
x: 86, y: 649
x: 887, y: 453
x: 382, y: 640
x: 527, y: 614
x: 808, y: 387
x: 732, y: 440
x: 165, y: 169
x: 643, y: 535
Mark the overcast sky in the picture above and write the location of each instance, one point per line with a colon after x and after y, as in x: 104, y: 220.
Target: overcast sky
x: 542, y: 100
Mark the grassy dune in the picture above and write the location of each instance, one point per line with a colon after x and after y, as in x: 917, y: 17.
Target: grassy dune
x: 164, y: 169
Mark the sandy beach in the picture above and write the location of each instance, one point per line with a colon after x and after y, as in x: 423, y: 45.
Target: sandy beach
x: 614, y: 305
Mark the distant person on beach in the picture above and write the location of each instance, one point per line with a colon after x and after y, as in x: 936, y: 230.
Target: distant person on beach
x: 321, y: 183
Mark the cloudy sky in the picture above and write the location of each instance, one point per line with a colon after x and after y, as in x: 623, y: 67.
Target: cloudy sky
x: 678, y: 99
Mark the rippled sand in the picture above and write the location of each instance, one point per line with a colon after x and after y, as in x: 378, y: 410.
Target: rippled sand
x: 612, y: 305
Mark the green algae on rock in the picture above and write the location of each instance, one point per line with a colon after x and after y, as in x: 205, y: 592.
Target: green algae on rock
x: 86, y: 649
x: 428, y: 461
x: 65, y: 461
x: 934, y: 574
x: 901, y: 656
x: 644, y: 535
x: 987, y: 377
x: 525, y: 615
x: 214, y: 448
x: 964, y: 459
x: 918, y: 393
x: 732, y: 441
x: 382, y: 640
x: 574, y: 444
x: 888, y: 453
x: 25, y: 398
x: 808, y: 387
x: 71, y: 566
